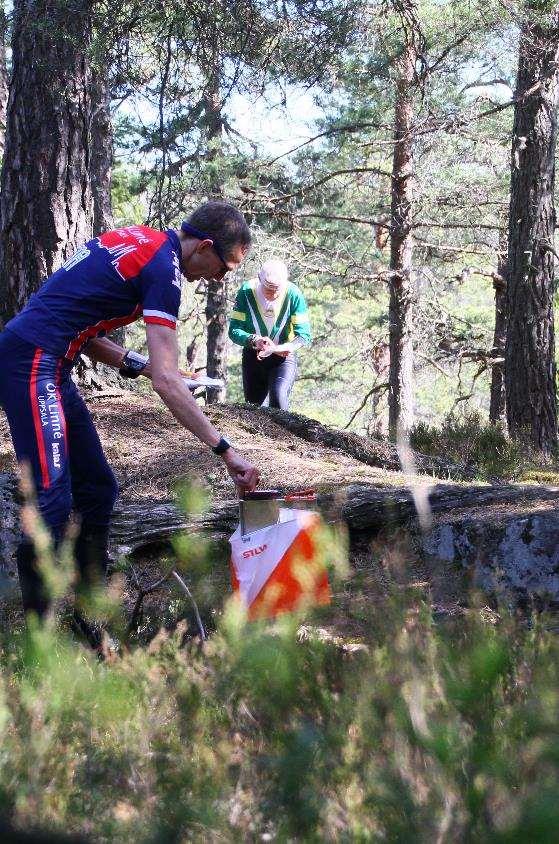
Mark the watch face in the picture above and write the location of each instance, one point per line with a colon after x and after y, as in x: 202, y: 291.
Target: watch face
x: 135, y: 361
x: 222, y: 446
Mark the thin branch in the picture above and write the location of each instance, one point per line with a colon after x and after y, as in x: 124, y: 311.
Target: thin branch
x: 308, y: 188
x: 434, y: 364
x: 335, y: 130
x: 380, y: 223
x: 141, y: 595
x: 445, y: 53
x: 201, y: 628
x: 427, y: 224
x: 378, y: 388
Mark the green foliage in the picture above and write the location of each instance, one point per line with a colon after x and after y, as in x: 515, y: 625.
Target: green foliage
x: 433, y: 733
x: 127, y: 189
x: 469, y: 439
x: 273, y: 731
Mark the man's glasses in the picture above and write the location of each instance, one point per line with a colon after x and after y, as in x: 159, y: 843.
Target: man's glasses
x: 199, y: 235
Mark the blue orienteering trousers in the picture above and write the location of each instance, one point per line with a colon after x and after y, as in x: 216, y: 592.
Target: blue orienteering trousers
x: 53, y: 432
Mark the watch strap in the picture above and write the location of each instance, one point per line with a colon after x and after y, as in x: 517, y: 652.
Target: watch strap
x: 132, y: 364
x: 222, y: 446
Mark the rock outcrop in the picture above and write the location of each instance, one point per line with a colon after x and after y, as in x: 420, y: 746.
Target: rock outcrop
x: 515, y: 561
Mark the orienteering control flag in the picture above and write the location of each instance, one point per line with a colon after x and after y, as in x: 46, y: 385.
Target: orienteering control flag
x: 277, y: 569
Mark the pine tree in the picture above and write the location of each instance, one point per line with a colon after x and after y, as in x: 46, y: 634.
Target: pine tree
x: 45, y: 197
x: 530, y: 376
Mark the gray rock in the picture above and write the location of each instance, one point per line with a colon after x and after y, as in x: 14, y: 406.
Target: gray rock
x: 514, y: 561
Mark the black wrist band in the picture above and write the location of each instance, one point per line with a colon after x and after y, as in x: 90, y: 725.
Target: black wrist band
x: 222, y: 446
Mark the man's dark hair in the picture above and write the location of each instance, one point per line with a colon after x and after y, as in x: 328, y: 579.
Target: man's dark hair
x: 223, y: 223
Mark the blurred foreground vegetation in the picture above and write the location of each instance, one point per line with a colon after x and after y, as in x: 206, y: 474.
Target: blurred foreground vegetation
x: 428, y: 731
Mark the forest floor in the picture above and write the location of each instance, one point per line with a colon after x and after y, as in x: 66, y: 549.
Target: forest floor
x: 150, y: 453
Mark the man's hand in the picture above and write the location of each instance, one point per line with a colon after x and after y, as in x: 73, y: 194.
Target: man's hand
x: 271, y: 348
x: 266, y: 348
x: 260, y: 343
x: 243, y: 473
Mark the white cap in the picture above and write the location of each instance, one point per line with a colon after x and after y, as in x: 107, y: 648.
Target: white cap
x: 273, y: 271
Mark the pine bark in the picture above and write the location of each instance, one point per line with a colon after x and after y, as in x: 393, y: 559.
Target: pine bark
x: 3, y: 79
x: 101, y: 175
x: 217, y: 338
x: 402, y: 294
x: 45, y: 198
x: 530, y: 346
x: 497, y: 402
x: 216, y: 302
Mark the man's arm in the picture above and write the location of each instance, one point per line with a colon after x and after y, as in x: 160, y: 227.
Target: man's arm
x: 168, y: 383
x: 103, y: 350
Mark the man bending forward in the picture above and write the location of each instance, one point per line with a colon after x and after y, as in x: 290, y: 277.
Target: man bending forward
x: 111, y: 281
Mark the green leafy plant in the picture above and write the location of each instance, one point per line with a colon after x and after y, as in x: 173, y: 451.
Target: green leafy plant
x: 469, y: 439
x: 273, y: 731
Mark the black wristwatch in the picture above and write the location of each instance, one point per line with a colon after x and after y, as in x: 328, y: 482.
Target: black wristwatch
x: 132, y: 364
x: 222, y: 446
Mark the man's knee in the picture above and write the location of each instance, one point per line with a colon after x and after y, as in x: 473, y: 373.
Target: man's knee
x: 95, y: 499
x: 55, y: 506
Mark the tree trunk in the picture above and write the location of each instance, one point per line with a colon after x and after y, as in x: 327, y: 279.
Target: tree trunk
x: 217, y: 338
x: 530, y: 345
x: 45, y: 198
x: 3, y: 79
x: 497, y: 404
x: 216, y: 304
x: 400, y: 394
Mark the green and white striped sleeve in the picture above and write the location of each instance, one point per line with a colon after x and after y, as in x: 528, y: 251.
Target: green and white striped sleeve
x: 240, y: 321
x: 300, y: 324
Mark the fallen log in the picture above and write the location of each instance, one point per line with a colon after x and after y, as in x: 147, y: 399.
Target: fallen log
x: 136, y: 526
x: 368, y: 508
x: 364, y: 507
x: 374, y: 451
x: 9, y: 529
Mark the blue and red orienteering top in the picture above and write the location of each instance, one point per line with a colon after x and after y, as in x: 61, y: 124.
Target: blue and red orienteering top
x: 111, y: 281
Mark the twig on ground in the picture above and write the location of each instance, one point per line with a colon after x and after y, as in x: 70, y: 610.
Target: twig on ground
x: 201, y: 628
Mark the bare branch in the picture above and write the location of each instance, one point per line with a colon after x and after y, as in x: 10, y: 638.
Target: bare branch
x: 377, y: 388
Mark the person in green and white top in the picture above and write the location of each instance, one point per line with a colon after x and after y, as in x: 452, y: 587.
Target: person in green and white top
x: 271, y: 322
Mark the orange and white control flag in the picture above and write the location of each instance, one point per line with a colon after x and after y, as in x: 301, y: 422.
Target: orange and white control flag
x: 277, y: 569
